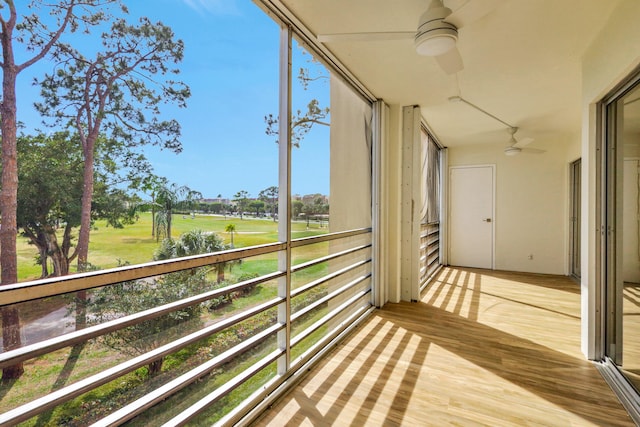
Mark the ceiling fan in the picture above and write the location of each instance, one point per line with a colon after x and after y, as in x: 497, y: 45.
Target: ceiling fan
x: 516, y: 147
x: 436, y: 35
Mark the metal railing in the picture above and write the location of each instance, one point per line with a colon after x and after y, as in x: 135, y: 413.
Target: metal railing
x: 344, y: 299
x: 429, y: 252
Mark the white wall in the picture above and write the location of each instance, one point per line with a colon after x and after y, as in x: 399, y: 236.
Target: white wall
x: 611, y: 57
x: 531, y: 203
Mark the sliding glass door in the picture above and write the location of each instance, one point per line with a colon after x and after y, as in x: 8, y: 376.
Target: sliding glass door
x: 621, y: 162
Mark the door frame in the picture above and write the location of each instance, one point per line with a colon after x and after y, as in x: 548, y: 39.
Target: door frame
x: 575, y: 212
x: 493, y: 208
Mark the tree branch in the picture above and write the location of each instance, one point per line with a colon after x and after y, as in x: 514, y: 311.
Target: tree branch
x: 56, y: 36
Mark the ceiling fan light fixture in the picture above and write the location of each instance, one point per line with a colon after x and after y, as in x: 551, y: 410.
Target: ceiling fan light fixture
x: 435, y: 36
x: 512, y: 151
x: 436, y: 42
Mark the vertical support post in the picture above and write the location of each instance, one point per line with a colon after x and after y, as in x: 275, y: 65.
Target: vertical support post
x: 284, y: 199
x: 444, y: 206
x: 411, y: 200
x: 378, y: 297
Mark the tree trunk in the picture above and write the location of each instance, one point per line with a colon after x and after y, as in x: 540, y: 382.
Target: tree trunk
x: 9, y: 204
x: 11, y: 340
x: 55, y: 252
x: 168, y: 236
x: 44, y: 269
x: 85, y: 226
x: 85, y: 214
x: 60, y: 263
x: 153, y: 215
x: 155, y: 367
x: 220, y: 269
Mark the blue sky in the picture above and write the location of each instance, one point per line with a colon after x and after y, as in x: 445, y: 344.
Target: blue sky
x: 231, y: 66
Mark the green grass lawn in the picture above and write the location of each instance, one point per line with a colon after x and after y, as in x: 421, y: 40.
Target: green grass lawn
x: 134, y: 243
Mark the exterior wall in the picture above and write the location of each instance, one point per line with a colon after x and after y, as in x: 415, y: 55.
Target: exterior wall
x: 531, y: 202
x: 612, y: 56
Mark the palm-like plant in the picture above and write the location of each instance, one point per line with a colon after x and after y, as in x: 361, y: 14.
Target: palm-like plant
x: 231, y: 228
x: 166, y: 199
x: 193, y: 242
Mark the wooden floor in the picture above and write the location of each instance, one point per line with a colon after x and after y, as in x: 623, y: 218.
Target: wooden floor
x: 482, y: 348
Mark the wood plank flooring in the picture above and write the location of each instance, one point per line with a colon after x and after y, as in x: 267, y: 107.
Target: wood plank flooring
x: 482, y: 348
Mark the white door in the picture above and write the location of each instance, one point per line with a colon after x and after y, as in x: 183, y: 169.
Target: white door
x: 471, y: 216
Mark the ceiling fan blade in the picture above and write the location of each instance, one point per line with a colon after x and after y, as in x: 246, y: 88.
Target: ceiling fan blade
x: 523, y: 142
x: 471, y: 11
x: 533, y: 151
x: 451, y: 61
x: 366, y: 37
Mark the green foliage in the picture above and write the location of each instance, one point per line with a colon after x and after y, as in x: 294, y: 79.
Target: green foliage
x: 134, y: 296
x: 116, y: 92
x: 231, y: 229
x: 296, y: 208
x: 50, y: 176
x: 166, y: 199
x: 242, y: 200
x: 121, y: 88
x: 192, y: 242
x: 258, y: 205
x: 270, y: 197
x: 249, y: 289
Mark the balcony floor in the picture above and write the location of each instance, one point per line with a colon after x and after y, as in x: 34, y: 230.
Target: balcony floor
x: 481, y: 348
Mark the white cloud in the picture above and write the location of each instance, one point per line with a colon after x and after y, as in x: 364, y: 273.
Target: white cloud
x: 214, y: 7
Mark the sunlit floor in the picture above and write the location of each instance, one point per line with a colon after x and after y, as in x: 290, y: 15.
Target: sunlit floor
x: 481, y: 348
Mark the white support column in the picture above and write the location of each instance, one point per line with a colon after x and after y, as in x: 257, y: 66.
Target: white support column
x: 444, y: 206
x: 378, y: 217
x: 411, y: 200
x: 284, y: 197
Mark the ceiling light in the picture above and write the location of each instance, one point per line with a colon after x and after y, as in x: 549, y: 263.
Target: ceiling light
x: 435, y: 36
x: 512, y: 151
x: 455, y: 99
x: 436, y: 42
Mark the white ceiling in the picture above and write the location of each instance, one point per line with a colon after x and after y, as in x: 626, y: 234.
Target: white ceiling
x: 521, y: 62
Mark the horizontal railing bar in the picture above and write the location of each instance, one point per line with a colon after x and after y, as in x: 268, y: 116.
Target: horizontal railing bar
x: 313, y: 284
x: 433, y: 258
x: 334, y: 313
x: 326, y: 318
x: 430, y: 277
x: 65, y: 394
x: 320, y: 260
x: 433, y: 269
x: 163, y: 392
x: 433, y: 250
x: 20, y: 292
x: 220, y: 392
x: 37, y: 349
x: 429, y: 233
x: 430, y: 224
x: 329, y: 297
x: 329, y: 236
x: 255, y: 405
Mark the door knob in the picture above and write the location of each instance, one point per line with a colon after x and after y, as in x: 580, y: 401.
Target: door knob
x: 487, y: 220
